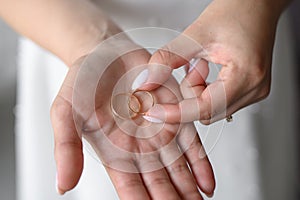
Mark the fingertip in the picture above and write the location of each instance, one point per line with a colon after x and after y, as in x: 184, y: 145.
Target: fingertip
x: 67, y: 183
x: 58, y: 189
x: 208, y: 187
x: 208, y: 182
x: 69, y: 169
x: 211, y: 195
x: 168, y: 113
x: 156, y: 114
x: 140, y: 80
x: 152, y: 119
x: 157, y: 75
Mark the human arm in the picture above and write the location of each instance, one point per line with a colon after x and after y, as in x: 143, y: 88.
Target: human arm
x: 238, y: 35
x: 68, y: 28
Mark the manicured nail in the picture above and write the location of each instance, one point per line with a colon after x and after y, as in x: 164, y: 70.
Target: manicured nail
x: 210, y: 195
x: 193, y: 64
x: 140, y: 79
x: 58, y: 190
x: 156, y: 114
x: 202, y: 153
x: 152, y: 119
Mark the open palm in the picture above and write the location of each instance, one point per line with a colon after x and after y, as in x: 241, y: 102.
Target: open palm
x: 143, y: 159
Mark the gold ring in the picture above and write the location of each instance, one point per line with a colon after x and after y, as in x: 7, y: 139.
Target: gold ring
x: 141, y: 110
x: 229, y: 118
x: 118, y: 108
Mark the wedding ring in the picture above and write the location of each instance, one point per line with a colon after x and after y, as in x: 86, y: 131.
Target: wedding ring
x: 119, y: 108
x: 138, y: 103
x: 229, y: 118
x: 146, y: 101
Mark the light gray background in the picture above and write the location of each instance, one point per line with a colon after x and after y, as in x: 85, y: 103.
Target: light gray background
x: 8, y: 53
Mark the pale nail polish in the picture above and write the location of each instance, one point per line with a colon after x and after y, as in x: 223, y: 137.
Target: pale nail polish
x: 152, y: 119
x: 140, y: 79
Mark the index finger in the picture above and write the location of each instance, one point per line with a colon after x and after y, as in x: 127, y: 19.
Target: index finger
x: 128, y: 185
x: 214, y: 100
x: 172, y: 56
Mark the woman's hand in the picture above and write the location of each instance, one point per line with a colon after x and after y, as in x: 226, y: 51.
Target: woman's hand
x: 71, y: 29
x: 150, y: 161
x: 239, y: 35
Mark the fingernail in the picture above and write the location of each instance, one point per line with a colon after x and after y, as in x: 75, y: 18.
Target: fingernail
x: 155, y: 114
x: 202, y: 153
x: 58, y: 190
x: 140, y: 79
x: 193, y: 64
x: 210, y: 195
x: 152, y: 119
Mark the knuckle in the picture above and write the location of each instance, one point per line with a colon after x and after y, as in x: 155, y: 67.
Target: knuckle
x: 196, y: 144
x: 265, y: 92
x: 75, y: 144
x: 163, y: 55
x: 256, y: 77
x: 261, y: 83
x: 205, y: 122
x: 60, y: 108
x: 159, y: 181
x: 258, y: 74
x: 205, y: 115
x: 54, y: 109
x: 128, y: 183
x: 179, y: 168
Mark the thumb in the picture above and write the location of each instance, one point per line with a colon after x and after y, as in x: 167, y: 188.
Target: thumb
x: 68, y: 146
x: 171, y: 56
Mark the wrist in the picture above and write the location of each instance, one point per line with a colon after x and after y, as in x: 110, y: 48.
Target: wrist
x: 88, y: 36
x: 69, y: 28
x: 87, y: 27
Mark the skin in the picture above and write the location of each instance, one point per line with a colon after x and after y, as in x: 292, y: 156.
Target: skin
x: 239, y: 36
x: 81, y: 26
x: 166, y: 182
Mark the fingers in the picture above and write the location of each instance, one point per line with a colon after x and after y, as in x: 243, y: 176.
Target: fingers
x: 155, y: 178
x: 128, y: 185
x: 195, y: 154
x: 198, y: 72
x: 248, y: 99
x: 172, y: 56
x: 183, y: 180
x: 186, y: 111
x: 68, y: 147
x: 208, y: 102
x: 195, y: 81
x: 159, y: 185
x: 180, y: 175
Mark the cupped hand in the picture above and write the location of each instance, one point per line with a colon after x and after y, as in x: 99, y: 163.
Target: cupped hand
x: 235, y: 34
x: 144, y: 160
